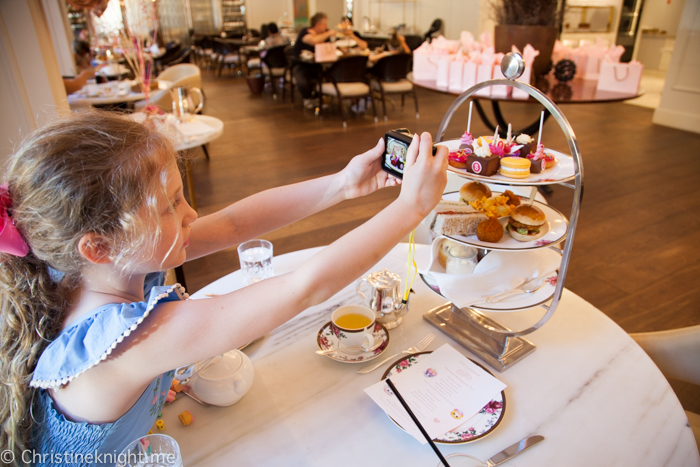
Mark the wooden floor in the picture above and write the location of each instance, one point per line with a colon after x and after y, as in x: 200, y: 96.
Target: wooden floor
x: 636, y: 255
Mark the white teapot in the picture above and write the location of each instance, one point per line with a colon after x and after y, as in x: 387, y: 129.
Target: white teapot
x: 225, y: 380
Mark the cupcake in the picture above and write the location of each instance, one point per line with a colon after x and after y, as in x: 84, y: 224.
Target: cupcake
x: 537, y: 160
x: 466, y: 141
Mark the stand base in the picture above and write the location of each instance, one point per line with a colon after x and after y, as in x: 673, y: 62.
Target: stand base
x: 468, y: 327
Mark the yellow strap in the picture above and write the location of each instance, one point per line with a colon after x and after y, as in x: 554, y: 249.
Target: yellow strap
x: 411, y: 265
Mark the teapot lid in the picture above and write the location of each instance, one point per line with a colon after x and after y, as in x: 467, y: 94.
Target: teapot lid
x: 383, y: 279
x: 226, y: 365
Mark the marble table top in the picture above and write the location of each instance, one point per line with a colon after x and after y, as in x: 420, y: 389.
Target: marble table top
x: 588, y: 388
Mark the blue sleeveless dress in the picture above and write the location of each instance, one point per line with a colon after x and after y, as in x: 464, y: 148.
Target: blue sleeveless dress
x: 82, y: 345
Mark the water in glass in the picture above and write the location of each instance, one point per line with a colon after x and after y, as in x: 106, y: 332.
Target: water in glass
x: 256, y: 260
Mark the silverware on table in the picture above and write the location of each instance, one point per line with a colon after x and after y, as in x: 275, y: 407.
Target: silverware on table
x: 351, y: 350
x: 513, y: 450
x: 529, y: 286
x: 204, y: 367
x: 191, y: 395
x: 418, y: 348
x: 505, y: 455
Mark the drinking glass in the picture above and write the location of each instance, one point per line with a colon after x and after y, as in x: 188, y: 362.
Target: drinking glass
x: 151, y: 451
x: 461, y: 259
x: 256, y: 260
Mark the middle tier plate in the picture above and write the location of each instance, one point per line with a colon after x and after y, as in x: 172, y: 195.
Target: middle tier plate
x: 557, y: 225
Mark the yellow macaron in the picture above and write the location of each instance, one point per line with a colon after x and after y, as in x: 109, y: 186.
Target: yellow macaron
x: 515, y: 167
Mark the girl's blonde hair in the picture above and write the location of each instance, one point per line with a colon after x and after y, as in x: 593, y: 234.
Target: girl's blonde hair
x: 91, y: 172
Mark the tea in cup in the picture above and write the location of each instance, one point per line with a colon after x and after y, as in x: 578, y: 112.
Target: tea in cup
x: 354, y: 325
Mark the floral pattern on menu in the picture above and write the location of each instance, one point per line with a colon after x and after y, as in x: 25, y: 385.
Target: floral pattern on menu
x: 476, y: 427
x: 328, y: 338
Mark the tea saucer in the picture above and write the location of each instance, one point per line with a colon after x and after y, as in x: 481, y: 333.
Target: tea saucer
x: 327, y: 339
x: 480, y: 425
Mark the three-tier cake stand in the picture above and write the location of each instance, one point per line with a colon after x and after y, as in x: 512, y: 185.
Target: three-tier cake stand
x: 470, y: 326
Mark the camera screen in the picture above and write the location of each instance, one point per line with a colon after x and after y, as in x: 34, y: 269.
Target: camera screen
x: 395, y: 156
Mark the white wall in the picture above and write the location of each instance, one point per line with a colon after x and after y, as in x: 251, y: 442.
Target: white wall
x: 662, y: 15
x: 456, y: 15
x: 267, y: 11
x: 680, y: 99
x: 32, y: 89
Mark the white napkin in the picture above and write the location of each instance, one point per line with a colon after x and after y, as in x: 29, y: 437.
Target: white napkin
x: 497, y: 272
x: 194, y: 128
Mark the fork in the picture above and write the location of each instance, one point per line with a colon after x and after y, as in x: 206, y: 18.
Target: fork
x: 419, y: 347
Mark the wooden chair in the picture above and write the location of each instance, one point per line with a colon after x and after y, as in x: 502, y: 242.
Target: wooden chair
x: 677, y: 354
x: 346, y: 79
x: 390, y: 78
x: 289, y: 72
x: 274, y: 68
x: 225, y: 55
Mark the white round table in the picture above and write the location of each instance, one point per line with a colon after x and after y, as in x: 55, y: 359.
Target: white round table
x: 81, y: 100
x: 588, y: 388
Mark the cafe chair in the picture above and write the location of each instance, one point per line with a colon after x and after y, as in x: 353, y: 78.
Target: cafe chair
x: 225, y: 55
x: 346, y: 79
x: 170, y: 52
x: 289, y: 72
x: 274, y: 68
x: 677, y: 354
x: 389, y: 77
x: 413, y: 41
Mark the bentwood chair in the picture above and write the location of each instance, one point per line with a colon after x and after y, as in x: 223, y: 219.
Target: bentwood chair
x: 346, y: 79
x: 389, y: 75
x: 225, y: 55
x: 289, y: 72
x: 677, y: 354
x: 169, y: 54
x: 274, y: 68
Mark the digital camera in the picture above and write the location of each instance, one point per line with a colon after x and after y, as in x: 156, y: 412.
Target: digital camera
x: 396, y: 144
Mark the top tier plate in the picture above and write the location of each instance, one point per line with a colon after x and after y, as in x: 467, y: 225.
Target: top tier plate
x: 562, y: 172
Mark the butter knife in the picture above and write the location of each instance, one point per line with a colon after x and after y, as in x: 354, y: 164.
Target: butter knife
x: 512, y: 451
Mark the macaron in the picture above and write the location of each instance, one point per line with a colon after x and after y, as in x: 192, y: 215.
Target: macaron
x: 515, y: 167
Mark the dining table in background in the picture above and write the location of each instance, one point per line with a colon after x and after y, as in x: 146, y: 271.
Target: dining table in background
x: 576, y: 91
x: 588, y: 388
x: 80, y: 100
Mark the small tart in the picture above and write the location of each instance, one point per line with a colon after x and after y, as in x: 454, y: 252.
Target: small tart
x: 458, y: 159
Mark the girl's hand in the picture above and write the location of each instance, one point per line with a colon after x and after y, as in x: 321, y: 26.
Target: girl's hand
x: 425, y: 176
x: 364, y: 174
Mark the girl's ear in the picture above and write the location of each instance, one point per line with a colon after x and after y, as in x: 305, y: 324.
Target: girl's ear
x: 94, y: 248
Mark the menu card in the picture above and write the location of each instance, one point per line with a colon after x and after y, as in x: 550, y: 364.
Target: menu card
x: 443, y: 389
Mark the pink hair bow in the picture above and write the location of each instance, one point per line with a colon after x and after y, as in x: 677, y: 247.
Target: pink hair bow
x: 10, y: 239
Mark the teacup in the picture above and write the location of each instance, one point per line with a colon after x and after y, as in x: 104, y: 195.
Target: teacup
x: 353, y: 324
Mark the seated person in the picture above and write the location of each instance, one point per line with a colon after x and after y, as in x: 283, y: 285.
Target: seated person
x: 346, y: 30
x: 274, y: 38
x: 76, y: 84
x: 397, y: 43
x: 81, y: 51
x: 305, y: 73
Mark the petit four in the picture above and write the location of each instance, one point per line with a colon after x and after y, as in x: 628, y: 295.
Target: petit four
x: 515, y: 167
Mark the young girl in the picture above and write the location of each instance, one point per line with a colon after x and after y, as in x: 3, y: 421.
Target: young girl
x: 92, y: 205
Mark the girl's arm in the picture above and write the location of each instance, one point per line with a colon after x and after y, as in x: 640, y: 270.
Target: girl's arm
x: 212, y: 326
x: 277, y: 207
